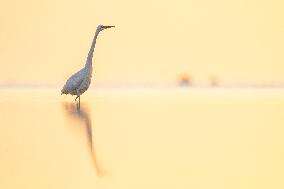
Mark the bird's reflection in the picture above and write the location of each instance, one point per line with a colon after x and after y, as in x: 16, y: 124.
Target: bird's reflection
x: 82, y: 113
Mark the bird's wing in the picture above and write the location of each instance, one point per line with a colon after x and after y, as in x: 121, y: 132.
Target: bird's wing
x: 74, y: 82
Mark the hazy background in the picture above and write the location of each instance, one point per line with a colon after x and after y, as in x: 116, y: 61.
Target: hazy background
x: 239, y: 42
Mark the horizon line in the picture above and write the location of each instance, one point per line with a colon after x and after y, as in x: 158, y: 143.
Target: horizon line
x: 50, y: 86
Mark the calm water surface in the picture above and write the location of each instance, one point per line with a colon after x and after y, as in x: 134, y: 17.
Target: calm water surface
x: 198, y: 138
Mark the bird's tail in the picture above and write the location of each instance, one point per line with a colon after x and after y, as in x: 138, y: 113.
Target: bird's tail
x: 62, y: 91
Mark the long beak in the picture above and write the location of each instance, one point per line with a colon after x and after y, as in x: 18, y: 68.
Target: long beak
x: 105, y: 27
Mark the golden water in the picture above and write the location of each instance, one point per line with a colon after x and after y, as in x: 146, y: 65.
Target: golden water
x: 198, y: 138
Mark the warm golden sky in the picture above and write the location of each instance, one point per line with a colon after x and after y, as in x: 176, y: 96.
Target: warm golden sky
x: 44, y: 42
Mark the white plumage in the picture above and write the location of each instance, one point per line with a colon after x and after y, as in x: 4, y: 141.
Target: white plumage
x: 79, y: 82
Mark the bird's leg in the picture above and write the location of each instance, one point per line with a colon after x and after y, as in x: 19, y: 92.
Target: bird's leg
x: 78, y: 96
x: 79, y: 102
x: 78, y: 107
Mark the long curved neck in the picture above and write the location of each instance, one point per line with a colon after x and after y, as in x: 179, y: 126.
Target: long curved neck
x: 91, y: 51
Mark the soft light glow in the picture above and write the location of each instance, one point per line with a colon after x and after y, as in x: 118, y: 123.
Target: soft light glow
x: 43, y: 42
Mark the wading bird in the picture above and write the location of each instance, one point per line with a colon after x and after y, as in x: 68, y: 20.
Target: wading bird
x: 79, y: 82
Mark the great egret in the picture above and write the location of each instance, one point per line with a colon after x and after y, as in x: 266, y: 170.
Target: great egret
x: 79, y: 82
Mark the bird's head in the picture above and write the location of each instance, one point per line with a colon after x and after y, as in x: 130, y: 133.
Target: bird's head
x: 101, y: 27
